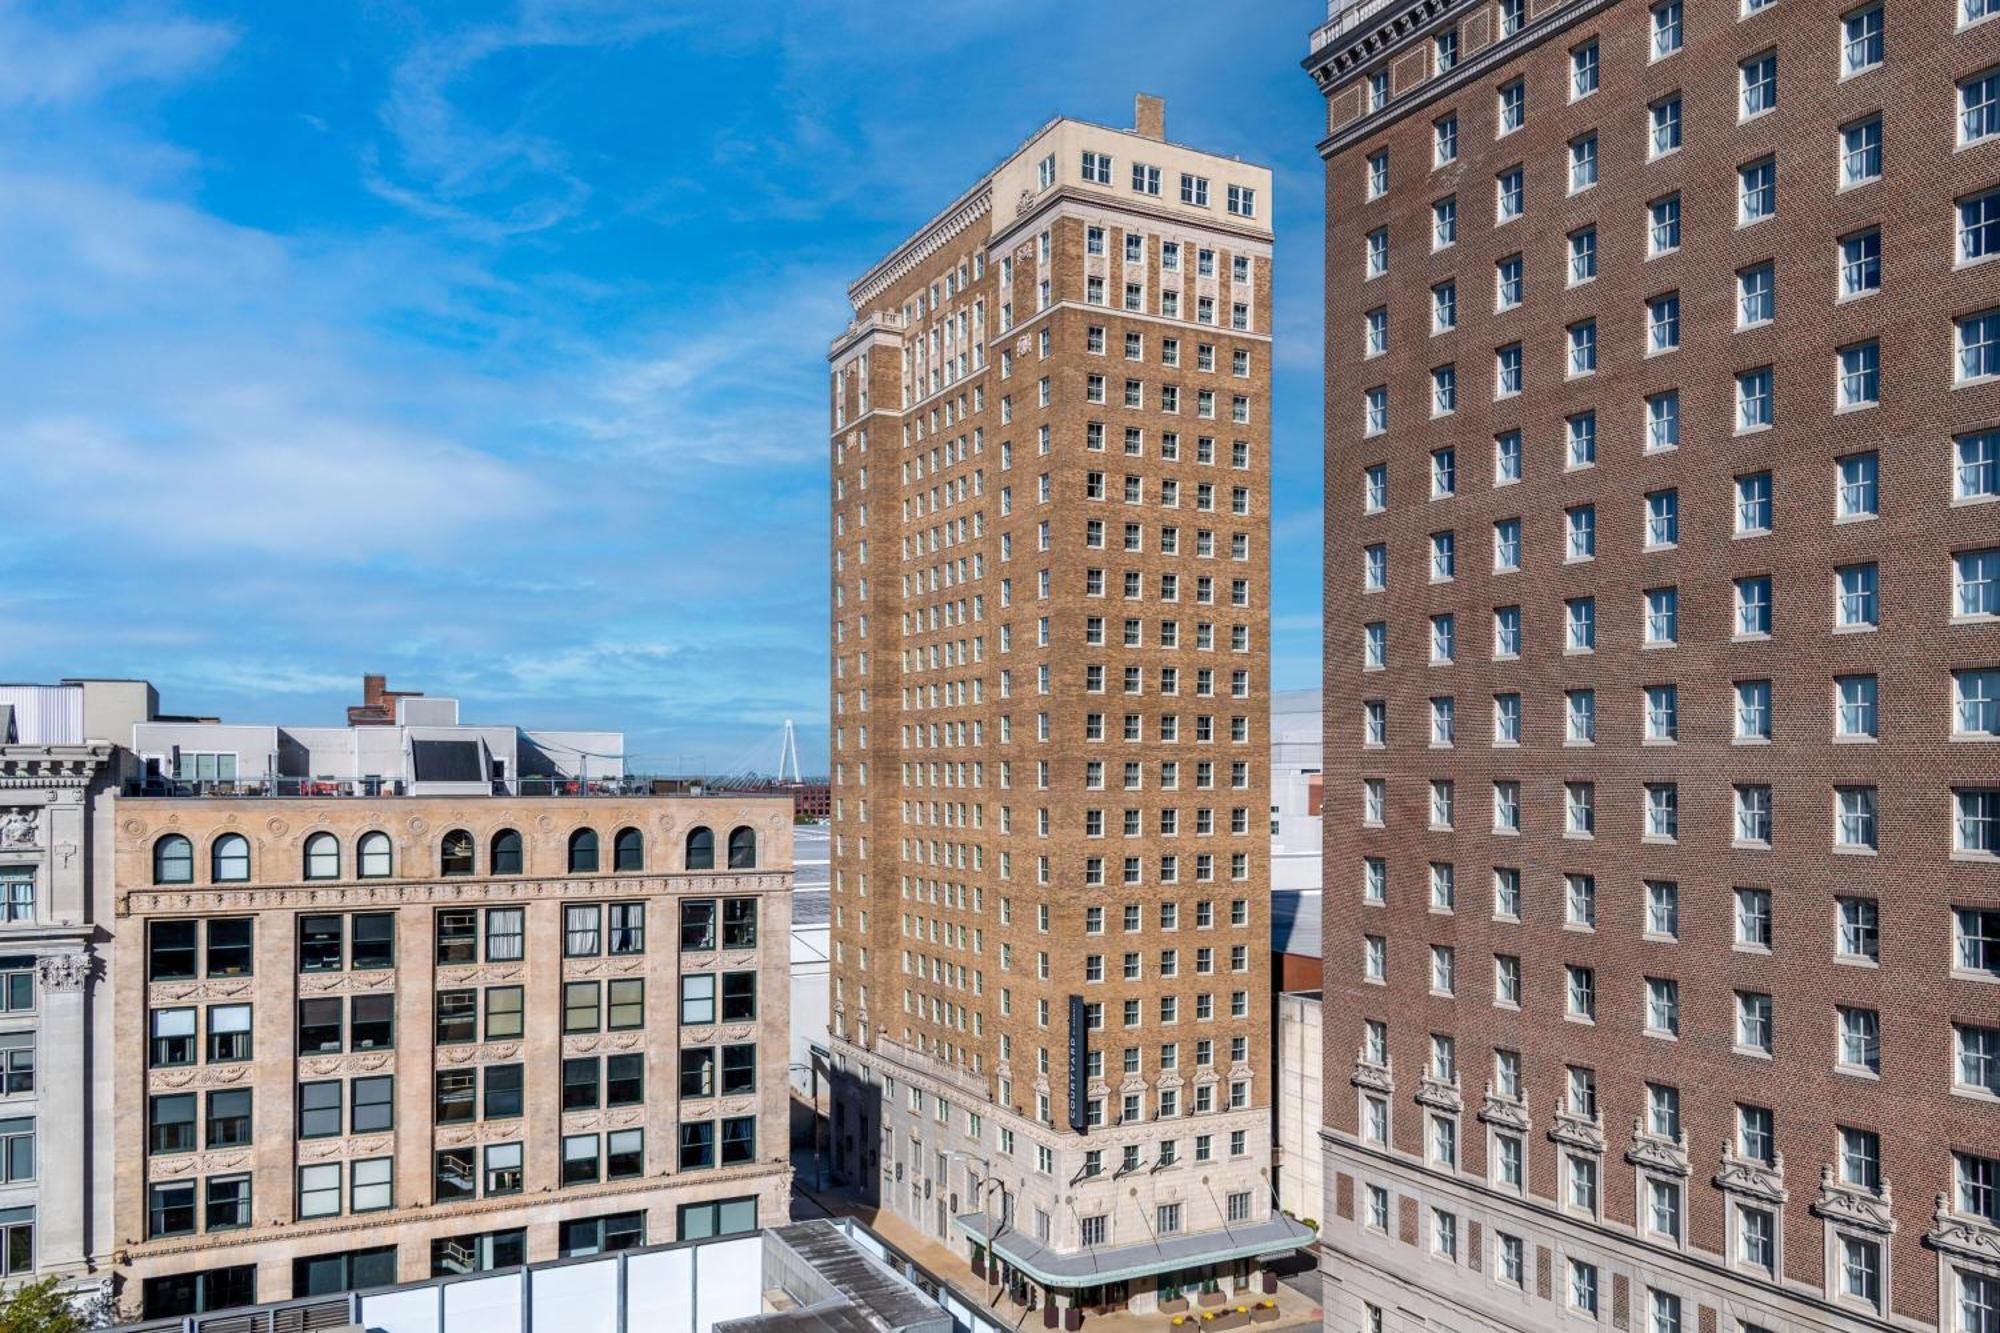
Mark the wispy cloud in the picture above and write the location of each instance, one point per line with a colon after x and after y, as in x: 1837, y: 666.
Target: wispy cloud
x: 43, y: 65
x: 488, y: 351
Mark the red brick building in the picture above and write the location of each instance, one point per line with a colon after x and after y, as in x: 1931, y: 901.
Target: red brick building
x: 1662, y: 911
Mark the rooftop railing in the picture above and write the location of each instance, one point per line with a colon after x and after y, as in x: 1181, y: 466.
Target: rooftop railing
x: 1343, y: 15
x: 368, y: 787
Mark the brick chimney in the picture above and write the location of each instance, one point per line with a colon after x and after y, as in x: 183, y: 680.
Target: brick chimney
x: 1149, y: 116
x: 378, y: 703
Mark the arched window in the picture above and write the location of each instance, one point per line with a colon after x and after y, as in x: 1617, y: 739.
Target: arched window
x: 628, y: 850
x: 455, y: 853
x: 583, y: 852
x: 506, y: 853
x: 173, y: 860
x: 700, y: 849
x: 322, y: 856
x: 743, y: 848
x: 229, y: 859
x: 375, y: 855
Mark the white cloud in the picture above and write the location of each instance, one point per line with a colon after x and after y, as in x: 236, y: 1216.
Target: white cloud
x: 270, y: 480
x: 42, y: 67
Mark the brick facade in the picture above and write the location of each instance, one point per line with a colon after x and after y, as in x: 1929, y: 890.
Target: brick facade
x: 1913, y: 876
x: 995, y: 489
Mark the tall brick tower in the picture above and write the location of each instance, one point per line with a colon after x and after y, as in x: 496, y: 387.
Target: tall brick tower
x: 1051, y: 495
x: 1663, y: 665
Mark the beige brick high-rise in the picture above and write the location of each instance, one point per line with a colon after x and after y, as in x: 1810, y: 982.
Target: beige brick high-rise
x: 371, y: 1039
x: 1051, y: 496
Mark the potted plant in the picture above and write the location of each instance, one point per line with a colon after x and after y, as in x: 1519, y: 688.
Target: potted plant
x: 1264, y: 1312
x: 1211, y: 1294
x: 1175, y: 1304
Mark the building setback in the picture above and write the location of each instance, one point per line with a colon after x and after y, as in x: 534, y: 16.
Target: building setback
x: 1050, y: 456
x: 1662, y: 665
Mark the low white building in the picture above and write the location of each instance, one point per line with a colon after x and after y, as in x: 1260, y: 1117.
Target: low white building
x: 1301, y: 1183
x: 424, y: 751
x: 1297, y: 754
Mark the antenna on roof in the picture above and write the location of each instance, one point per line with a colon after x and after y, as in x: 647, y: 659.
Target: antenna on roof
x: 789, y: 749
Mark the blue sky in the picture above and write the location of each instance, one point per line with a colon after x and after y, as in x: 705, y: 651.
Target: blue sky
x: 484, y: 345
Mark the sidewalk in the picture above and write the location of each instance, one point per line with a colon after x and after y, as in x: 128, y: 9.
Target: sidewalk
x: 1296, y: 1310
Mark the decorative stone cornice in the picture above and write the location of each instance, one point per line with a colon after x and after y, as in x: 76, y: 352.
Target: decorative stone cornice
x: 1577, y: 1130
x: 1380, y: 1077
x: 1437, y: 1094
x: 1657, y: 1152
x: 1365, y: 30
x: 417, y: 893
x: 1506, y: 1112
x: 51, y: 765
x: 1963, y: 1234
x: 1396, y: 27
x: 946, y: 226
x: 1853, y: 1206
x: 1747, y: 1176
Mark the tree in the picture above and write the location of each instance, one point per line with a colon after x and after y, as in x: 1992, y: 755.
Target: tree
x: 40, y: 1307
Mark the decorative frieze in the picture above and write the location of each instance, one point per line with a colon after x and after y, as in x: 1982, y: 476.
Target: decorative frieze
x: 182, y: 1166
x: 351, y: 1065
x: 211, y: 991
x: 347, y: 1147
x: 479, y: 1053
x: 360, y: 896
x: 348, y: 983
x: 195, y: 1078
x: 603, y: 1043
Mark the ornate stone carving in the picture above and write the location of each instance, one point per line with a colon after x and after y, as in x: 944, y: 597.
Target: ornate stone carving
x: 20, y: 826
x: 1957, y: 1233
x: 196, y: 992
x: 1437, y: 1094
x: 1655, y: 1152
x: 1743, y: 1175
x: 486, y: 1131
x: 1506, y: 1112
x: 198, y: 1076
x: 584, y: 969
x: 1577, y: 1131
x: 1370, y: 1074
x: 328, y: 1150
x: 1854, y: 1206
x: 483, y: 1053
x: 591, y: 1044
x: 343, y: 983
x: 65, y: 971
x: 197, y: 1163
x: 345, y: 1066
x: 417, y: 893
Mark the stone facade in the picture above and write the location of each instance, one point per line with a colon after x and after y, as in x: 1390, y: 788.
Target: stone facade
x: 1664, y: 1012
x: 53, y: 856
x: 1051, y: 492
x: 465, y: 1034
